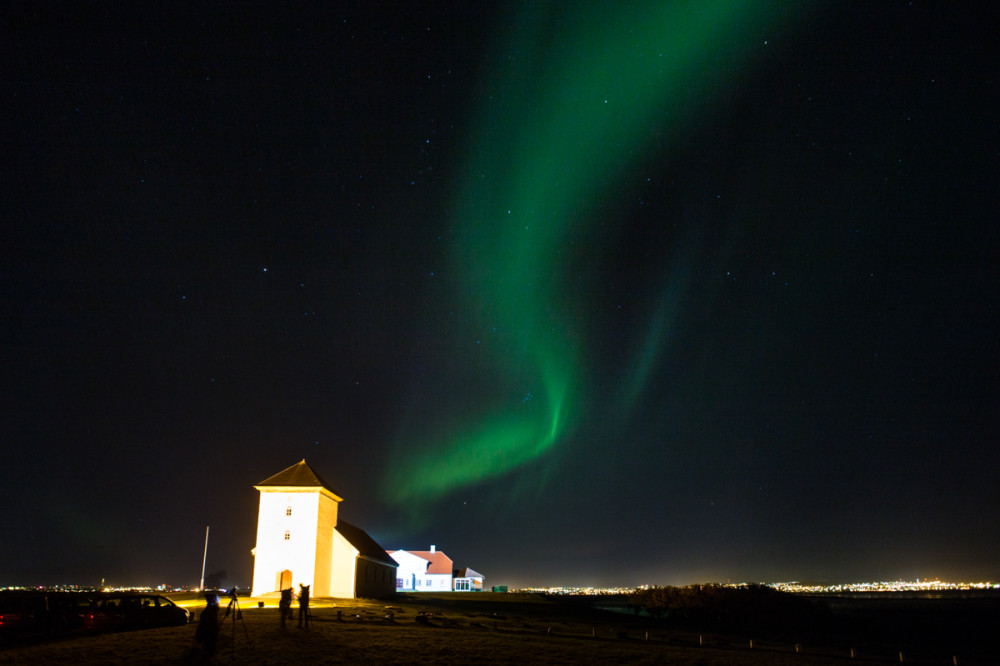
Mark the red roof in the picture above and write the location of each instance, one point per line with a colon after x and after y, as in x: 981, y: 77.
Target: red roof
x: 439, y: 562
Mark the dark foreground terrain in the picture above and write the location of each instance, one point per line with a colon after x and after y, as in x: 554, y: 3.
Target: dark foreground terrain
x: 490, y: 628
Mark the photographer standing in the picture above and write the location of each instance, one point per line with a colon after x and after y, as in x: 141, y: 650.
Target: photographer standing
x: 208, y: 626
x: 285, y: 605
x: 303, y: 605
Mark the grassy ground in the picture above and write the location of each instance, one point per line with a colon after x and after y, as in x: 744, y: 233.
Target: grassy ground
x: 453, y: 629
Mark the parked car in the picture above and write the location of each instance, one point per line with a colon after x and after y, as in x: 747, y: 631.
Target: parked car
x: 40, y: 612
x: 21, y: 613
x: 116, y: 612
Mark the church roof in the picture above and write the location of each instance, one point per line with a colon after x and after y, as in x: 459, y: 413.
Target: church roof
x: 299, y: 474
x: 367, y: 546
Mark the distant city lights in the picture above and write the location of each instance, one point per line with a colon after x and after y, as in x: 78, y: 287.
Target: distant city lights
x: 790, y: 586
x: 883, y: 586
x: 793, y: 587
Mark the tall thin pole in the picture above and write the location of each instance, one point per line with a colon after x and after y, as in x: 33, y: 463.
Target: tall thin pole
x: 203, y: 558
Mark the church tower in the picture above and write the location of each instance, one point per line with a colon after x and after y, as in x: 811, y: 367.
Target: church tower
x: 296, y: 525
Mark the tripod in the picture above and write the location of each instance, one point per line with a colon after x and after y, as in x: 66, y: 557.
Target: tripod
x: 234, y: 608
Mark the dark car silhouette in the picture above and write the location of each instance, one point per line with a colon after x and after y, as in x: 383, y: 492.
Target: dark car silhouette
x: 40, y: 612
x: 117, y: 612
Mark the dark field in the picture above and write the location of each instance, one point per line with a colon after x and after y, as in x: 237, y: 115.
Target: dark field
x: 466, y: 628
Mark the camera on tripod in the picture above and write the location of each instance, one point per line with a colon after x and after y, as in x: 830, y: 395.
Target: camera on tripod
x: 234, y: 604
x: 234, y: 608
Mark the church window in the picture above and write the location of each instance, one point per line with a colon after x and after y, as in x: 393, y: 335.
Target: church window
x: 288, y: 511
x: 288, y: 535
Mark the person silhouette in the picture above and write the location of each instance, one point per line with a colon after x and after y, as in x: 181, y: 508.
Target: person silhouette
x: 285, y: 605
x: 207, y: 632
x: 303, y: 606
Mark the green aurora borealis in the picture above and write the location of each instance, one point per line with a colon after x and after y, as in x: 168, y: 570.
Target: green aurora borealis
x: 566, y: 117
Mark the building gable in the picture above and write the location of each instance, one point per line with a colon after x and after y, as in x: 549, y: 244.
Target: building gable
x: 409, y: 561
x: 300, y: 475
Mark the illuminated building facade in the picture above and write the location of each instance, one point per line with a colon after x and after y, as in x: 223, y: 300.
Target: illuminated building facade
x: 422, y: 570
x: 432, y: 571
x: 302, y: 541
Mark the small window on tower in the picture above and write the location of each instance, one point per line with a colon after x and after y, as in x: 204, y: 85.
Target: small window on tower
x: 288, y: 535
x: 288, y: 511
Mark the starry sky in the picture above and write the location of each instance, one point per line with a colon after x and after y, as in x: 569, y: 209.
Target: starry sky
x: 688, y: 291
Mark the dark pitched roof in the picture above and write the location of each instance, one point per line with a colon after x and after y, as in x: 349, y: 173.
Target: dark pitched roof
x: 466, y: 572
x: 366, y: 545
x: 299, y: 474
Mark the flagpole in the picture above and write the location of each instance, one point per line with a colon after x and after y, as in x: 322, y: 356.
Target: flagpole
x: 203, y: 558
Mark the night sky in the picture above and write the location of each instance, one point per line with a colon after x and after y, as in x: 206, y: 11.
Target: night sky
x: 693, y: 291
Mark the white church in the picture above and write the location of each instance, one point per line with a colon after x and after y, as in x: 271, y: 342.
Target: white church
x: 301, y: 540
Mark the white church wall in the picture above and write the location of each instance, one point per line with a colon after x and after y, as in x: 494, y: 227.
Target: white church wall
x: 343, y: 571
x: 323, y: 557
x: 286, y: 537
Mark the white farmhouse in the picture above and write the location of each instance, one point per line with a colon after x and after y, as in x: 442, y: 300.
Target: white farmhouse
x: 300, y: 540
x: 422, y: 570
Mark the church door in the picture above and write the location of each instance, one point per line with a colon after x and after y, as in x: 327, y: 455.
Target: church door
x: 286, y: 580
